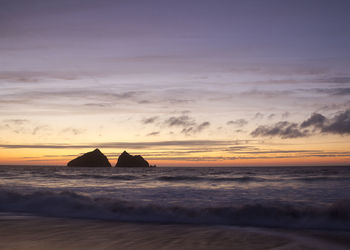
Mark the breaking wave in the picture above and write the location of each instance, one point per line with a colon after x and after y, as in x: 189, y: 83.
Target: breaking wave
x: 274, y: 214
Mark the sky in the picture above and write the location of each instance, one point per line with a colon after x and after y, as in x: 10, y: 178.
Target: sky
x: 181, y: 82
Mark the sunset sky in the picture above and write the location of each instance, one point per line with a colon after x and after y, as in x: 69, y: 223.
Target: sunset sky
x: 181, y: 82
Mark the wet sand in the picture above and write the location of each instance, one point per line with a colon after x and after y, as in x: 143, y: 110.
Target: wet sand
x: 29, y: 232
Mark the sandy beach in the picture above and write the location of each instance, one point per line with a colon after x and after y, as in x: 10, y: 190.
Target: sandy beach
x: 30, y: 232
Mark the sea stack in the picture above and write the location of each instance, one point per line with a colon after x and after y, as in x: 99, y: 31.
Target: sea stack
x: 126, y: 160
x: 92, y: 159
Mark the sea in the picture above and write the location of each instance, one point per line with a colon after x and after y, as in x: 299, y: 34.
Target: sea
x: 278, y: 197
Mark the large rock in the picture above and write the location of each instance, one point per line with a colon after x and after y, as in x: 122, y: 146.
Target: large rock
x: 91, y: 159
x: 126, y: 160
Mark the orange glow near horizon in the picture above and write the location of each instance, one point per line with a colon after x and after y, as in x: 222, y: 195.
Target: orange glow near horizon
x: 326, y: 150
x: 60, y: 157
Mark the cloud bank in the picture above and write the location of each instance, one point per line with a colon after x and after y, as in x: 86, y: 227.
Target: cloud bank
x: 315, y: 124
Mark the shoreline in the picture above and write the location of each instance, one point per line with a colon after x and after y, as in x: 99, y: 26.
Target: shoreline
x: 34, y: 232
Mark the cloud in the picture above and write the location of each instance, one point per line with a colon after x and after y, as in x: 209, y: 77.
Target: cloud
x: 285, y: 115
x: 203, y: 126
x: 72, y: 131
x: 17, y: 126
x: 282, y: 129
x: 238, y: 122
x: 75, y: 100
x: 153, y: 133
x: 338, y: 124
x: 16, y: 121
x: 258, y: 116
x: 340, y: 79
x: 182, y: 121
x: 335, y: 106
x: 241, y: 148
x: 267, y: 94
x: 150, y: 120
x: 138, y: 145
x: 180, y: 101
x: 188, y: 124
x: 77, y: 93
x: 332, y: 91
x: 100, y: 105
x: 280, y: 151
x: 34, y: 76
x: 144, y: 102
x: 316, y: 120
x: 341, y: 91
x: 195, y: 129
x: 271, y: 116
x: 125, y: 95
x: 40, y: 128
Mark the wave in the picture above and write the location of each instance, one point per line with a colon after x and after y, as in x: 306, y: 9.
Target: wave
x: 240, y: 179
x: 180, y: 178
x: 321, y: 178
x: 74, y: 205
x: 214, y: 179
x: 96, y: 176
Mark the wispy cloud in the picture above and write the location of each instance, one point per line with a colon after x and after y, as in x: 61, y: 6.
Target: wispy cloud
x: 17, y: 126
x: 137, y: 145
x: 271, y: 116
x: 332, y: 91
x: 188, y: 124
x: 46, y: 101
x: 153, y: 133
x: 238, y: 122
x: 82, y: 93
x: 40, y: 128
x: 72, y: 131
x: 195, y: 129
x: 16, y: 121
x: 285, y: 115
x: 338, y: 79
x: 258, y: 115
x: 35, y: 76
x: 150, y: 120
x: 182, y: 121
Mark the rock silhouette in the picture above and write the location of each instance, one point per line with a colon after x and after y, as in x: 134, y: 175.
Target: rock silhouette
x: 91, y: 159
x: 126, y: 160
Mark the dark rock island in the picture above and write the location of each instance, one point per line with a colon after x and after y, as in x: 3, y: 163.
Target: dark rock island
x: 126, y: 160
x: 97, y: 159
x: 91, y: 159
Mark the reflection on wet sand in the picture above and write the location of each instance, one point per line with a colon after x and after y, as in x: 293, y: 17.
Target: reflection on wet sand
x: 28, y: 232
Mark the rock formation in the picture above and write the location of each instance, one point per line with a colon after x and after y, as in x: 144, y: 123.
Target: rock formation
x: 126, y: 160
x: 91, y: 159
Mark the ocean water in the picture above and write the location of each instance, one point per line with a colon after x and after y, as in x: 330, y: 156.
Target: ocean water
x: 284, y: 197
